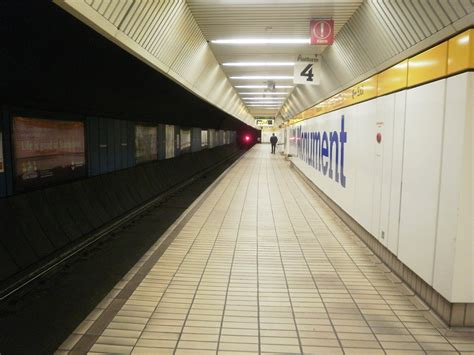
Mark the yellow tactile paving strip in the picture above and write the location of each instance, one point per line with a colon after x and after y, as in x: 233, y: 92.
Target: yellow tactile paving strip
x: 262, y: 265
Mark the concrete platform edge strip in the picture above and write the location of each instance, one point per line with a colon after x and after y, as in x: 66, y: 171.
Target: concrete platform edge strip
x: 439, y: 310
x: 89, y: 338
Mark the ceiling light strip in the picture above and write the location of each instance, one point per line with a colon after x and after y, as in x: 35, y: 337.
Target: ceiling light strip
x: 259, y: 64
x: 273, y: 93
x: 263, y: 105
x: 262, y: 99
x: 262, y: 77
x: 262, y: 86
x: 263, y: 41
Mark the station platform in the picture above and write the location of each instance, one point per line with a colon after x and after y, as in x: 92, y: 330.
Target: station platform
x: 259, y: 264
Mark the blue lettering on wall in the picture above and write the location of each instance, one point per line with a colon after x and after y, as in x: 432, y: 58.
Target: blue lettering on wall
x: 324, y: 151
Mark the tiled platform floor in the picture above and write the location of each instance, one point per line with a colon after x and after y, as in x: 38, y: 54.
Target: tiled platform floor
x: 259, y: 264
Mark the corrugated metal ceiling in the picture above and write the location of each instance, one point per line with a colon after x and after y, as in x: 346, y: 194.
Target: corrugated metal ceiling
x: 165, y: 35
x: 378, y: 35
x: 173, y: 36
x: 226, y: 19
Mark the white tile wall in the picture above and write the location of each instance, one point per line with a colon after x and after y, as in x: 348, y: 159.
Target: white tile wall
x: 416, y: 186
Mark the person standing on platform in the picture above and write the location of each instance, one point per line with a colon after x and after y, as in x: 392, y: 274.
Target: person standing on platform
x: 273, y: 141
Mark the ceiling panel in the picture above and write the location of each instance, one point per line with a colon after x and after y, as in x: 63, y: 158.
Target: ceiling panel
x: 230, y: 19
x: 165, y: 35
x: 378, y: 35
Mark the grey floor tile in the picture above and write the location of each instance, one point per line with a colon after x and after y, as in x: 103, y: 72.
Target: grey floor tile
x: 265, y: 263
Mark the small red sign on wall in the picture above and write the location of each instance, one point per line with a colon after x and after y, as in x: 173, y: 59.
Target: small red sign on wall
x: 322, y: 31
x: 379, y: 137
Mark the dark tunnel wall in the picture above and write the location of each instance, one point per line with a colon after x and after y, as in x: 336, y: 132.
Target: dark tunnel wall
x: 52, y: 61
x: 52, y: 66
x: 39, y: 227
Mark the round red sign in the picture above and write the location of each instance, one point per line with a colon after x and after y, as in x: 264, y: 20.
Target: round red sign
x: 321, y: 29
x: 379, y: 137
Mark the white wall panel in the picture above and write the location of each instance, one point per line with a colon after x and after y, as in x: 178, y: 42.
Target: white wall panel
x: 427, y: 220
x: 397, y: 170
x: 450, y: 183
x: 365, y: 158
x: 383, y: 166
x: 344, y: 196
x: 463, y: 285
x: 421, y: 177
x: 454, y: 240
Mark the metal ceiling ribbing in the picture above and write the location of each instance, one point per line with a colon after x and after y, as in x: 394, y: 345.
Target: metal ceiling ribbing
x: 378, y: 35
x: 265, y: 19
x: 165, y: 35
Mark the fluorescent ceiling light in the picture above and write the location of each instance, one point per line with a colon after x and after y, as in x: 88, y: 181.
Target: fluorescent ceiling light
x: 463, y: 39
x: 263, y: 105
x: 263, y: 99
x: 282, y: 93
x: 263, y: 41
x: 263, y: 86
x: 263, y: 102
x: 259, y: 64
x: 263, y: 77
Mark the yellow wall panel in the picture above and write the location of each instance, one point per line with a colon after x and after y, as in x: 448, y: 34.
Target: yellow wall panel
x: 429, y: 65
x: 364, y: 90
x: 311, y: 112
x: 393, y: 79
x: 449, y: 57
x: 460, y: 52
x: 471, y: 54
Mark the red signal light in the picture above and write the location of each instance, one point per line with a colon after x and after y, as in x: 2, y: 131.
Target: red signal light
x: 247, y: 138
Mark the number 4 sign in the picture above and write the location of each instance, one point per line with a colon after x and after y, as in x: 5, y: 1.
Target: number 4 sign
x: 307, y: 73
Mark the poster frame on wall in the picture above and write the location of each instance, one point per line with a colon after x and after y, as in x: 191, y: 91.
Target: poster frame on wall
x: 183, y: 132
x: 206, y: 134
x: 151, y: 125
x: 46, y: 115
x: 169, y: 141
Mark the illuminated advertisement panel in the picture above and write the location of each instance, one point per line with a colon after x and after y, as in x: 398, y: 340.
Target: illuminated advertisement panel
x: 146, y: 143
x: 267, y: 122
x: 212, y: 138
x: 204, y: 142
x: 169, y: 153
x: 185, y: 140
x: 47, y: 151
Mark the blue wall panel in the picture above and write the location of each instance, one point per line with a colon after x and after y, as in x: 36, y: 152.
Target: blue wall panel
x: 93, y: 145
x: 161, y: 141
x: 103, y: 147
x: 110, y: 145
x: 177, y: 141
x: 195, y: 139
x: 3, y: 178
x: 7, y: 153
x: 131, y: 143
x: 117, y: 144
x: 123, y: 146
